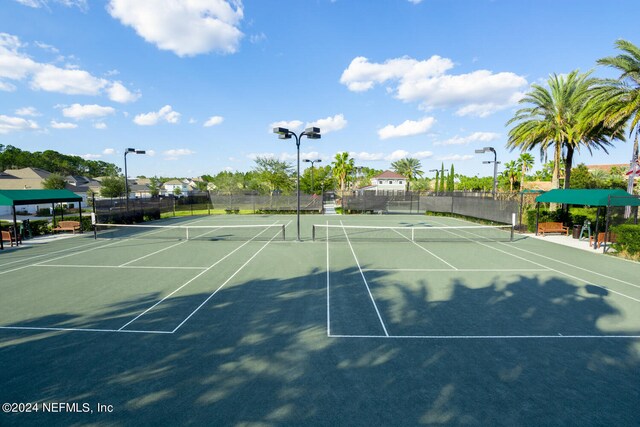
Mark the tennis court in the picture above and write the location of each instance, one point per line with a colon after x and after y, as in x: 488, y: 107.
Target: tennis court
x: 370, y: 320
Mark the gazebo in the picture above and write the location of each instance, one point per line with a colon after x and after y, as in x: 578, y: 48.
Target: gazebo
x: 15, y: 198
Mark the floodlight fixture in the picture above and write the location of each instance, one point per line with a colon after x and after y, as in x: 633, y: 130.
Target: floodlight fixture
x: 495, y: 166
x: 126, y: 177
x: 310, y: 133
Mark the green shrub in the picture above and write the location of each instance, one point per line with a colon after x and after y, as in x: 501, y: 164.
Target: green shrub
x: 628, y: 239
x: 39, y: 227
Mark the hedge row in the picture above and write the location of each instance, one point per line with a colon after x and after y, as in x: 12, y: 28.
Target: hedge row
x: 628, y: 239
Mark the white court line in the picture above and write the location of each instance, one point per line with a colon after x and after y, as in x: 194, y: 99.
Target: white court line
x: 191, y: 280
x: 153, y: 253
x: 459, y: 270
x: 487, y: 337
x: 148, y: 267
x: 426, y: 250
x: 47, y: 254
x: 227, y: 281
x: 550, y: 268
x: 365, y: 281
x: 571, y: 265
x: 60, y: 257
x: 328, y: 287
x: 30, y: 328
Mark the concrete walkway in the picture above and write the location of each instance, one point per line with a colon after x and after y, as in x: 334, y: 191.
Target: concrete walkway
x: 566, y: 241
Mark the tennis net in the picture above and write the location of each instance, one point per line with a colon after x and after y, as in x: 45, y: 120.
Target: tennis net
x: 464, y: 233
x: 190, y: 232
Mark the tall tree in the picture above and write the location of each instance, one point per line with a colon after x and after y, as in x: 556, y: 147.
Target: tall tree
x: 409, y: 168
x: 54, y: 182
x: 558, y: 118
x: 511, y: 173
x: 451, y: 180
x: 525, y: 162
x: 618, y: 101
x: 112, y: 186
x: 274, y: 173
x: 342, y: 167
x: 436, y: 187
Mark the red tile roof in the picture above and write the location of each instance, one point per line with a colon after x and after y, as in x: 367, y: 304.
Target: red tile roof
x: 389, y: 175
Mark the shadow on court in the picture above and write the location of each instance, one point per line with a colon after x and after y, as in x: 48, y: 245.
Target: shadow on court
x: 257, y: 354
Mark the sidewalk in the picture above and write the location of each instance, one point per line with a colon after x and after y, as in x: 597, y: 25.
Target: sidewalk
x: 566, y: 241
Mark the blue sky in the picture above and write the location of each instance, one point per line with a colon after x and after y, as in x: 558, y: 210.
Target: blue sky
x: 200, y: 83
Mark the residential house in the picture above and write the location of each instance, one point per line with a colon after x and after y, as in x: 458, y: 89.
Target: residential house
x: 169, y: 187
x: 386, y: 183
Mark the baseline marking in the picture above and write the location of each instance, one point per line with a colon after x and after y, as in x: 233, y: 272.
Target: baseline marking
x: 493, y: 337
x: 31, y: 328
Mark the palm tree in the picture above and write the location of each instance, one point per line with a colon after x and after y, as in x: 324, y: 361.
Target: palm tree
x: 409, y: 168
x: 525, y: 162
x: 511, y: 173
x: 618, y: 101
x: 558, y: 118
x: 342, y: 166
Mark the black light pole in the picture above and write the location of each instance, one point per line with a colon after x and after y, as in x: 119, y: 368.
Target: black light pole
x: 312, y: 162
x: 310, y: 133
x: 495, y: 166
x: 436, y: 171
x: 126, y: 179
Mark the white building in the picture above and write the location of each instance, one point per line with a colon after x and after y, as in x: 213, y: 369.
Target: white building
x: 385, y: 183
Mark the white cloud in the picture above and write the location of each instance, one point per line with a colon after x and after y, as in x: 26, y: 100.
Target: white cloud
x: 71, y: 82
x: 79, y: 112
x: 100, y: 125
x: 109, y: 151
x: 118, y: 93
x: 479, y: 93
x: 292, y: 125
x: 186, y: 28
x: 474, y: 137
x: 16, y: 65
x: 63, y: 125
x: 213, y: 121
x: 415, y: 1
x: 166, y: 113
x: 364, y: 156
x: 151, y: 153
x: 28, y: 111
x: 454, y: 157
x: 15, y: 124
x: 175, y: 154
x: 330, y: 124
x: 91, y: 156
x: 407, y: 128
x: 36, y: 4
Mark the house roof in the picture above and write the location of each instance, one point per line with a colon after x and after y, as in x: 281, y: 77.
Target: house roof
x: 596, y: 197
x: 28, y: 173
x: 388, y: 174
x: 174, y: 182
x: 31, y: 197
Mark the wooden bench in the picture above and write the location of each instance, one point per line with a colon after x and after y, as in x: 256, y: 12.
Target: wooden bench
x: 7, y: 236
x: 600, y: 239
x: 552, y: 227
x: 68, y: 226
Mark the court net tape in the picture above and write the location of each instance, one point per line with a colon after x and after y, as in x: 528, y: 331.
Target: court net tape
x: 190, y: 232
x: 473, y: 233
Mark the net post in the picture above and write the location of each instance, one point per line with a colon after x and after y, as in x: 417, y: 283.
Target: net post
x: 313, y: 232
x: 513, y: 225
x: 187, y: 231
x: 283, y: 235
x: 413, y: 239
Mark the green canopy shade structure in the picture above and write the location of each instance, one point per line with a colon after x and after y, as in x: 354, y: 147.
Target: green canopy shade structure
x: 15, y: 198
x: 597, y: 198
x: 615, y: 197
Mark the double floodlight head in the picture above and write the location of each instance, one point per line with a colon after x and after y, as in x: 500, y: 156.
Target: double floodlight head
x: 485, y: 150
x: 312, y: 132
x: 312, y: 161
x: 133, y: 150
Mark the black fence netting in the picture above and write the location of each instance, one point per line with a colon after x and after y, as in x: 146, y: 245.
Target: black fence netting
x: 122, y: 211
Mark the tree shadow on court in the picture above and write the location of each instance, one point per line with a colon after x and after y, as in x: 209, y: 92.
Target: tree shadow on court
x: 257, y: 353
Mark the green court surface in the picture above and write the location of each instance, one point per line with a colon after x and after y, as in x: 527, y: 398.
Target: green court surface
x: 354, y: 328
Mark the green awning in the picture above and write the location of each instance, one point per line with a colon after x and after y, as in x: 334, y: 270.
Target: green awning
x: 597, y: 197
x: 32, y: 197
